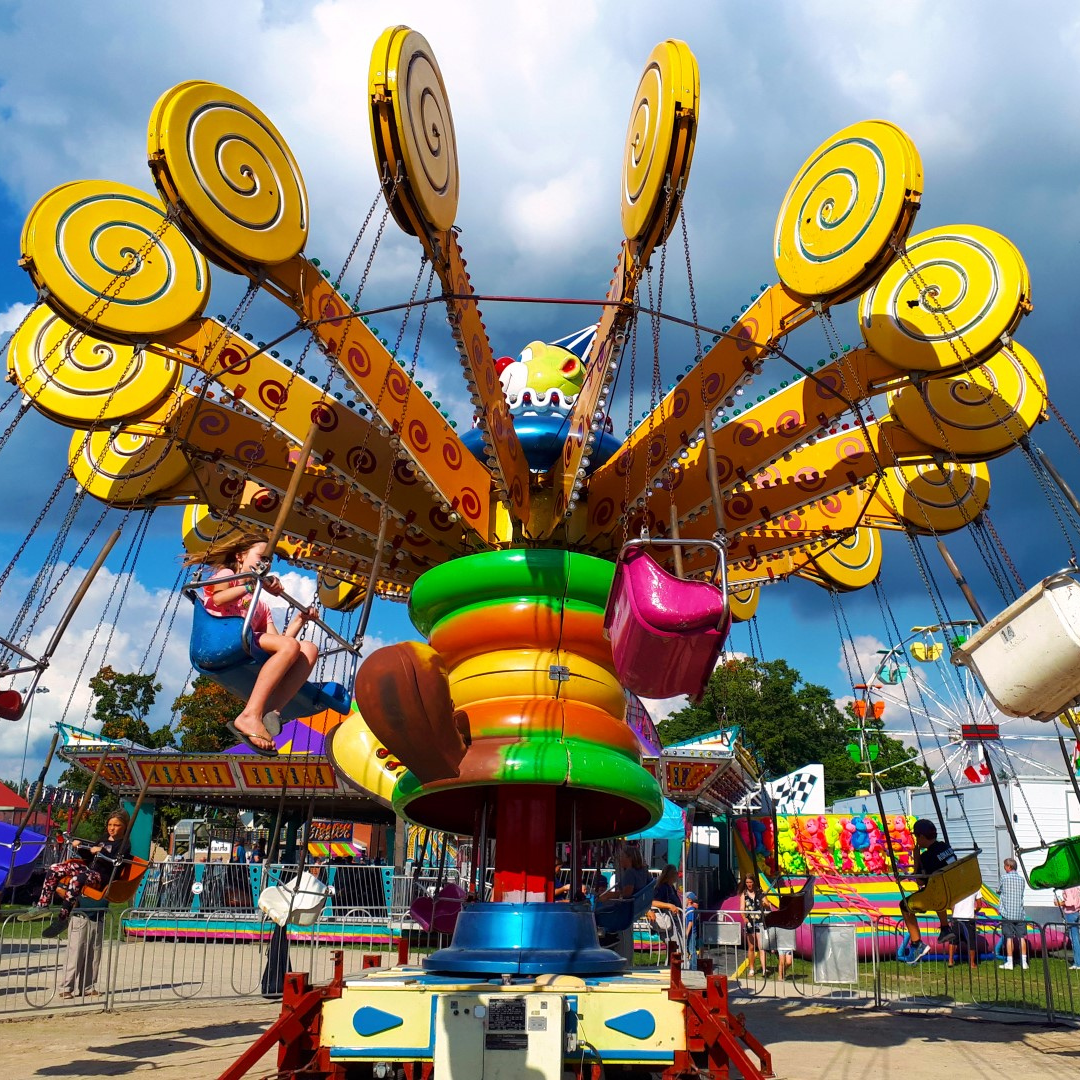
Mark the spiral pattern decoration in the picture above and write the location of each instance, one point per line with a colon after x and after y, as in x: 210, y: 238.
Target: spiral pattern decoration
x: 668, y: 91
x: 412, y: 124
x: 228, y: 174
x: 855, y: 196
x: 78, y: 380
x: 976, y: 414
x: 200, y: 529
x: 127, y: 467
x: 947, y: 300
x: 851, y: 564
x: 109, y: 259
x: 930, y: 499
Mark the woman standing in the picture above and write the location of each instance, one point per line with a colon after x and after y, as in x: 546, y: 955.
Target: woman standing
x: 667, y: 910
x: 752, y: 909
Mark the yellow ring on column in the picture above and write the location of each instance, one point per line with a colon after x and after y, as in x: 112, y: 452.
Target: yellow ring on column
x: 77, y: 379
x: 361, y: 760
x: 947, y: 301
x: 669, y: 90
x: 339, y: 594
x: 107, y: 257
x: 931, y: 500
x: 228, y: 174
x: 522, y: 673
x: 980, y: 413
x: 405, y: 75
x: 855, y: 197
x: 851, y: 564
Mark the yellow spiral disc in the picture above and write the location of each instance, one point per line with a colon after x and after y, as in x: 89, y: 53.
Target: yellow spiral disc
x: 979, y: 413
x: 127, y: 467
x: 660, y: 139
x: 947, y: 300
x: 930, y: 500
x: 411, y: 124
x: 744, y: 604
x: 228, y: 173
x: 851, y: 564
x: 200, y: 529
x: 855, y: 197
x: 108, y: 258
x: 338, y: 594
x: 79, y: 380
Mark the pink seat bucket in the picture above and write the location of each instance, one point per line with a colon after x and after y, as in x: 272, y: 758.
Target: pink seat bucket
x: 439, y: 913
x: 666, y: 633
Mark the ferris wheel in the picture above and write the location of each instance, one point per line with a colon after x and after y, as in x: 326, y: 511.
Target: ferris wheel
x: 958, y: 730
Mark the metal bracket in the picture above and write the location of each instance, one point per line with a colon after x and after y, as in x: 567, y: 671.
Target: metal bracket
x: 558, y: 673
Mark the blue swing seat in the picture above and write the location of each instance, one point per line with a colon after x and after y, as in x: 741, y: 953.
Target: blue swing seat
x: 17, y: 859
x: 220, y: 651
x: 614, y: 916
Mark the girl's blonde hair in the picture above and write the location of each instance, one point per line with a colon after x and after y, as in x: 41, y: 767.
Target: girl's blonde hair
x: 227, y: 553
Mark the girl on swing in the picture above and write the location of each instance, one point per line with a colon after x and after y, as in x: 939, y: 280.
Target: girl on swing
x: 290, y: 662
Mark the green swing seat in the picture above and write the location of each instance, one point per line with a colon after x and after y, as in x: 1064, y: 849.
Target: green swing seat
x: 1061, y: 869
x: 944, y: 887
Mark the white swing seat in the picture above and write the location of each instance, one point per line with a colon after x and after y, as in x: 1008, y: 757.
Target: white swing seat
x: 297, y: 902
x: 1028, y: 657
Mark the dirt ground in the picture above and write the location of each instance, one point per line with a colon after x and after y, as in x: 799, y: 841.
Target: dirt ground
x: 195, y: 1042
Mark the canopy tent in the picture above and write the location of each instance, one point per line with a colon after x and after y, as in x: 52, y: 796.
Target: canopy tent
x: 671, y: 826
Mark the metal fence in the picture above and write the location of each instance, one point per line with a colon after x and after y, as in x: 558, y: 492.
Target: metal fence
x: 153, y: 955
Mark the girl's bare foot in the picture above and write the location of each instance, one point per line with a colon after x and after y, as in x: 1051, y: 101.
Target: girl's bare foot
x: 255, y: 730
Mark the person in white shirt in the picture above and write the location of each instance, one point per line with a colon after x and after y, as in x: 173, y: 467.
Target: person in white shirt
x: 963, y: 924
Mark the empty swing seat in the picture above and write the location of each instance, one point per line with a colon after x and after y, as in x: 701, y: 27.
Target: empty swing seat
x: 1061, y: 868
x: 298, y: 902
x: 944, y: 887
x: 666, y: 633
x: 792, y: 908
x: 1028, y: 657
x: 439, y: 912
x: 12, y: 705
x: 17, y: 856
x: 218, y: 650
x: 614, y: 916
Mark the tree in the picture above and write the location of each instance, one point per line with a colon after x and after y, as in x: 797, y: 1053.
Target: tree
x: 786, y: 722
x: 202, y: 715
x: 123, y: 700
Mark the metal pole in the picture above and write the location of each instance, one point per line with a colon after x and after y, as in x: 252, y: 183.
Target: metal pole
x: 1054, y: 474
x: 675, y: 536
x: 293, y: 488
x: 961, y: 581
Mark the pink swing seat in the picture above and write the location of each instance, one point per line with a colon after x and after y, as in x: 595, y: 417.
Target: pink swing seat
x: 666, y: 633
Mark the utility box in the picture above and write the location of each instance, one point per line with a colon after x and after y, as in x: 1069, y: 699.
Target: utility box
x: 500, y: 1036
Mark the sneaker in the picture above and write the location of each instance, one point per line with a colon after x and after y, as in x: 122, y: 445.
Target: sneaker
x: 38, y: 911
x: 1074, y: 967
x: 55, y: 928
x: 919, y: 951
x: 1024, y: 964
x: 1007, y: 966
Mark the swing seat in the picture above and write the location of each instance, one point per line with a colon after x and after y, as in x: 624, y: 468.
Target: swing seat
x: 17, y: 857
x: 440, y: 912
x: 614, y: 916
x: 12, y: 705
x: 1028, y: 657
x: 944, y: 887
x: 220, y: 651
x: 298, y: 902
x: 666, y: 633
x: 122, y: 888
x: 793, y: 908
x: 1061, y: 868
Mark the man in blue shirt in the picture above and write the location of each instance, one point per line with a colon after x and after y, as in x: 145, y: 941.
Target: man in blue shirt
x: 1011, y: 910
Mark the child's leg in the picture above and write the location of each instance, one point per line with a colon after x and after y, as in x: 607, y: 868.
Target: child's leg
x: 911, y: 922
x: 283, y: 651
x: 296, y: 676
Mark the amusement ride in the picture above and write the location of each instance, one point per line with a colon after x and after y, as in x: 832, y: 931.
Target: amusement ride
x: 551, y: 564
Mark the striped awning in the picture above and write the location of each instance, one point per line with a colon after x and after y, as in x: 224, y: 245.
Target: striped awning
x: 337, y: 847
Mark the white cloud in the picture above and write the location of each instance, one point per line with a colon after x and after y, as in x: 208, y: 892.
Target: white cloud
x: 11, y: 316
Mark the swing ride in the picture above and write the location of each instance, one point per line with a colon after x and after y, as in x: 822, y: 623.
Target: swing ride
x: 520, y: 545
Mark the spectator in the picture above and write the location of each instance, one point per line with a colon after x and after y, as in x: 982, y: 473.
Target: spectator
x: 667, y: 910
x: 82, y: 957
x: 1011, y: 910
x: 964, y: 929
x: 1069, y: 902
x: 752, y: 910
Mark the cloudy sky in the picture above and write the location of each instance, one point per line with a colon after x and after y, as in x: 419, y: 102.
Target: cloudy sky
x: 540, y: 96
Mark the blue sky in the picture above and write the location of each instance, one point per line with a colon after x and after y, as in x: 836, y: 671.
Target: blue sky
x: 540, y: 97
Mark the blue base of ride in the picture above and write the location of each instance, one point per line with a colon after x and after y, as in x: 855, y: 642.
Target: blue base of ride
x: 218, y: 651
x: 542, y: 439
x: 17, y: 856
x: 525, y: 939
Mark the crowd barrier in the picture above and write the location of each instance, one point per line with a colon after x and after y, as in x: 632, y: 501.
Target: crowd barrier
x: 152, y: 955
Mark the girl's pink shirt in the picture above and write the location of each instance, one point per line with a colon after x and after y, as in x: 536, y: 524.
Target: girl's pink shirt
x: 239, y: 606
